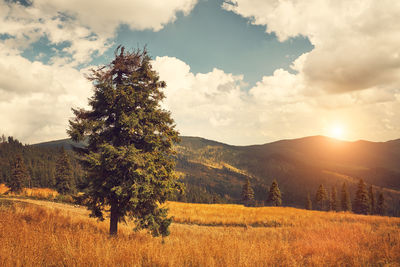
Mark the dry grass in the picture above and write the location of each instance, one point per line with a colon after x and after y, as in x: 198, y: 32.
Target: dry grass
x: 38, y: 193
x: 62, y: 235
x: 3, y: 189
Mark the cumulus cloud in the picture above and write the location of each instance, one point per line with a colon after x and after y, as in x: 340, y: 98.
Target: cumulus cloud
x: 82, y: 28
x: 36, y: 99
x: 203, y: 104
x: 215, y: 105
x: 349, y: 78
x: 357, y: 45
x: 137, y: 14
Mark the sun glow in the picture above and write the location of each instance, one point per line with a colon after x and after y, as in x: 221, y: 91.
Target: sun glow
x: 336, y: 132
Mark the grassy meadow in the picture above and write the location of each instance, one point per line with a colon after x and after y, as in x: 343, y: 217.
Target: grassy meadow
x: 37, y: 193
x: 43, y: 233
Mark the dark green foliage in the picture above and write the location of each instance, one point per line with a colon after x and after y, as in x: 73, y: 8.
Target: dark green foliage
x: 381, y: 206
x: 40, y: 163
x: 247, y: 193
x: 201, y: 181
x: 333, y: 204
x: 345, y: 199
x: 64, y: 179
x: 20, y: 175
x: 288, y: 161
x: 361, y: 201
x: 372, y: 200
x: 274, y: 196
x: 308, y: 202
x: 321, y: 198
x: 129, y: 144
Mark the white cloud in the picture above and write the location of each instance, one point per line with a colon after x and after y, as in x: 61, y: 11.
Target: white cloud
x: 103, y: 17
x: 357, y: 43
x: 85, y: 27
x: 349, y: 78
x: 208, y: 104
x: 215, y: 105
x: 36, y: 99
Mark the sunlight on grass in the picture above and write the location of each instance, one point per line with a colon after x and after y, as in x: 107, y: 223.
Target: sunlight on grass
x: 39, y: 193
x: 64, y: 236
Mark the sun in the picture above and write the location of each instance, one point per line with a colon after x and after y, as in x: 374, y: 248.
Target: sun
x: 337, y: 132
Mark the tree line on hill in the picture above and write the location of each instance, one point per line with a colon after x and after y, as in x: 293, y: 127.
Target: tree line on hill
x: 29, y: 166
x: 364, y: 202
x: 273, y: 196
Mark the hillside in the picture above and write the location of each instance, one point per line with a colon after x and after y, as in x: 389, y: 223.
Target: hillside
x: 214, y: 171
x: 40, y: 162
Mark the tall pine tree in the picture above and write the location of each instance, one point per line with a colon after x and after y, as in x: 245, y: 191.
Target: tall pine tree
x: 321, y: 198
x: 247, y: 193
x: 64, y: 179
x: 334, y: 205
x: 372, y: 200
x: 381, y: 206
x: 19, y: 176
x: 308, y: 202
x: 361, y: 201
x: 274, y: 196
x: 129, y: 144
x: 345, y: 199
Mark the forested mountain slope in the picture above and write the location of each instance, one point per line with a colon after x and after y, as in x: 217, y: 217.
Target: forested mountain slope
x: 215, y: 172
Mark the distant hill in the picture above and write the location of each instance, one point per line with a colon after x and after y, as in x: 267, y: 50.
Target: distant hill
x: 215, y: 171
x: 66, y: 143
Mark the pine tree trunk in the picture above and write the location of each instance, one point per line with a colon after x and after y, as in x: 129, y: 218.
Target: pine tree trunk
x: 114, y: 220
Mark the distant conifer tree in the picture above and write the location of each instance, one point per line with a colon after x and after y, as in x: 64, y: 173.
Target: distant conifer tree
x: 361, y: 201
x: 345, y: 199
x: 64, y: 179
x: 381, y: 207
x: 372, y: 200
x: 19, y: 175
x: 274, y: 196
x: 321, y: 197
x: 309, y: 202
x: 334, y: 205
x: 247, y: 193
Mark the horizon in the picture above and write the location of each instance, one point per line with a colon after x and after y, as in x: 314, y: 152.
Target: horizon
x: 258, y: 144
x: 234, y: 73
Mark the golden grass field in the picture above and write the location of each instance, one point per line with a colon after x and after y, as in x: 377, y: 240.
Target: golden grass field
x: 43, y: 233
x: 39, y: 193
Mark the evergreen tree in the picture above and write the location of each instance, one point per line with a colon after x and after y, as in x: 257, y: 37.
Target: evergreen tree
x: 247, y: 193
x: 361, y: 201
x: 19, y: 175
x: 274, y: 196
x: 129, y: 144
x: 329, y: 201
x: 345, y: 199
x: 334, y: 205
x: 381, y: 207
x: 309, y: 202
x: 372, y: 200
x: 64, y: 182
x: 321, y: 197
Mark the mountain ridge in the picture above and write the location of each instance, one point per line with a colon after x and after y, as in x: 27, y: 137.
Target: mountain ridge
x: 214, y: 169
x: 230, y: 145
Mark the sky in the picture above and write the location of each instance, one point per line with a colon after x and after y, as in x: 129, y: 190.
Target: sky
x: 240, y: 72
